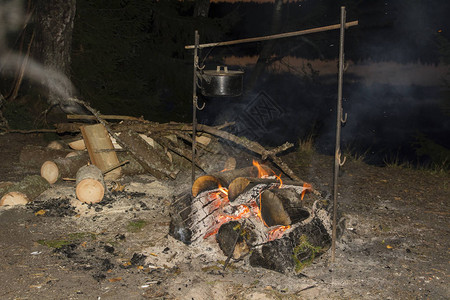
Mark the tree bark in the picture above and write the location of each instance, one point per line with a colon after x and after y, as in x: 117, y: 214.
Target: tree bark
x: 201, y: 8
x: 53, y: 45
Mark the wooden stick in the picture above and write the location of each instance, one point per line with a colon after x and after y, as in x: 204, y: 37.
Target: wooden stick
x: 106, y: 117
x: 274, y: 36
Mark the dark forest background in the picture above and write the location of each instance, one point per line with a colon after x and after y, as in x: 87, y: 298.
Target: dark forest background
x: 128, y: 58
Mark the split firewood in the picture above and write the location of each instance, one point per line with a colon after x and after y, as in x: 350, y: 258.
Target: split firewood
x: 153, y: 161
x: 230, y: 164
x: 221, y: 179
x: 183, y: 152
x: 241, y: 184
x: 53, y: 170
x: 282, y: 207
x: 90, y: 185
x: 35, y: 156
x: 97, y: 140
x: 77, y: 144
x: 24, y: 191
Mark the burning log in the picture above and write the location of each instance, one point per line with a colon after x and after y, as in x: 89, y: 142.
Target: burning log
x: 243, y: 184
x: 90, y: 186
x: 282, y: 207
x: 221, y: 179
x: 97, y: 141
x: 24, y: 191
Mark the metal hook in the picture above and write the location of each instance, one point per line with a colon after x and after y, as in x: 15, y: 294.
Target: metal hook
x: 341, y: 163
x: 344, y: 120
x: 196, y: 104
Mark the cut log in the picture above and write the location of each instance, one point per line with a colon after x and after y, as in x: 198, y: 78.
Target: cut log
x: 243, y: 184
x: 90, y: 186
x: 78, y: 145
x: 75, y: 153
x: 282, y: 207
x: 53, y: 170
x: 34, y: 156
x: 153, y: 161
x: 212, y: 181
x: 14, y: 198
x: 24, y: 191
x: 97, y: 141
x: 57, y: 145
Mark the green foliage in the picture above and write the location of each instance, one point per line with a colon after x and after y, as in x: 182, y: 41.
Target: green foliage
x: 304, y: 253
x: 129, y: 62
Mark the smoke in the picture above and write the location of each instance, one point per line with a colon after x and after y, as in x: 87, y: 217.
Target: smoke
x: 11, y: 63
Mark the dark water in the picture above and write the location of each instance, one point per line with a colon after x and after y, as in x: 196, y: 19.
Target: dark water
x: 384, y: 121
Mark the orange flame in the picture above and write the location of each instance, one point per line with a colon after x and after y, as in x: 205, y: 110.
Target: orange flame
x: 223, y: 190
x: 279, y: 179
x: 306, y: 186
x: 277, y: 232
x: 261, y: 171
x: 242, y: 212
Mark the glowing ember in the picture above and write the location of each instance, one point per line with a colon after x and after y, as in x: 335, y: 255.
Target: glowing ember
x: 277, y: 232
x: 242, y: 211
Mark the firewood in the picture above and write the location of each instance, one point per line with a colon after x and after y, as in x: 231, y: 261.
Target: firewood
x: 212, y: 181
x: 281, y: 207
x: 24, y: 191
x: 78, y: 145
x: 230, y: 164
x: 55, y: 145
x: 155, y: 162
x: 75, y: 153
x: 97, y: 139
x: 90, y: 186
x: 34, y: 156
x: 52, y: 170
x: 14, y: 198
x: 242, y: 184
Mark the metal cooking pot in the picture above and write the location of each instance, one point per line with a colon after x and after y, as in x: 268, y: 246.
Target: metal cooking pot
x: 221, y: 82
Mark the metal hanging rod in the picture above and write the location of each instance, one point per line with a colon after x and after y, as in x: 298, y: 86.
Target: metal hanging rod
x: 274, y: 36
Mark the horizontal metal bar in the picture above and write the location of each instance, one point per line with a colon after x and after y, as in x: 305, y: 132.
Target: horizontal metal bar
x: 274, y: 36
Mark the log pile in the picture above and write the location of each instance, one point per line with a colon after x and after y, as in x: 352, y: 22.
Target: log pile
x: 161, y: 150
x: 277, y: 224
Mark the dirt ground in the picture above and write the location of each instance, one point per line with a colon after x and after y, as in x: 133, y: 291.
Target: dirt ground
x: 395, y: 245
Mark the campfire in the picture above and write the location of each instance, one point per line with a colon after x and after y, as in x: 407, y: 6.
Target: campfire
x: 253, y: 213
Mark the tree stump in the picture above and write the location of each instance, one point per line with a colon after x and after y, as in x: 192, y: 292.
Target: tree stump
x: 90, y: 186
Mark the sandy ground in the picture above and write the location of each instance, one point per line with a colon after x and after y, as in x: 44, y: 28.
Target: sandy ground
x: 395, y: 246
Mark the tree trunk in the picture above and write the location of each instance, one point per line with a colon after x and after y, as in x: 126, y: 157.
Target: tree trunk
x: 201, y: 8
x: 54, y: 27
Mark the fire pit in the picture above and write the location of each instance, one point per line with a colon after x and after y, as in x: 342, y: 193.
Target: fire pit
x: 253, y: 214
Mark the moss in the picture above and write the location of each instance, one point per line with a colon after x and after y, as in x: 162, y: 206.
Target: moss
x: 136, y: 226
x: 69, y: 239
x: 304, y: 253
